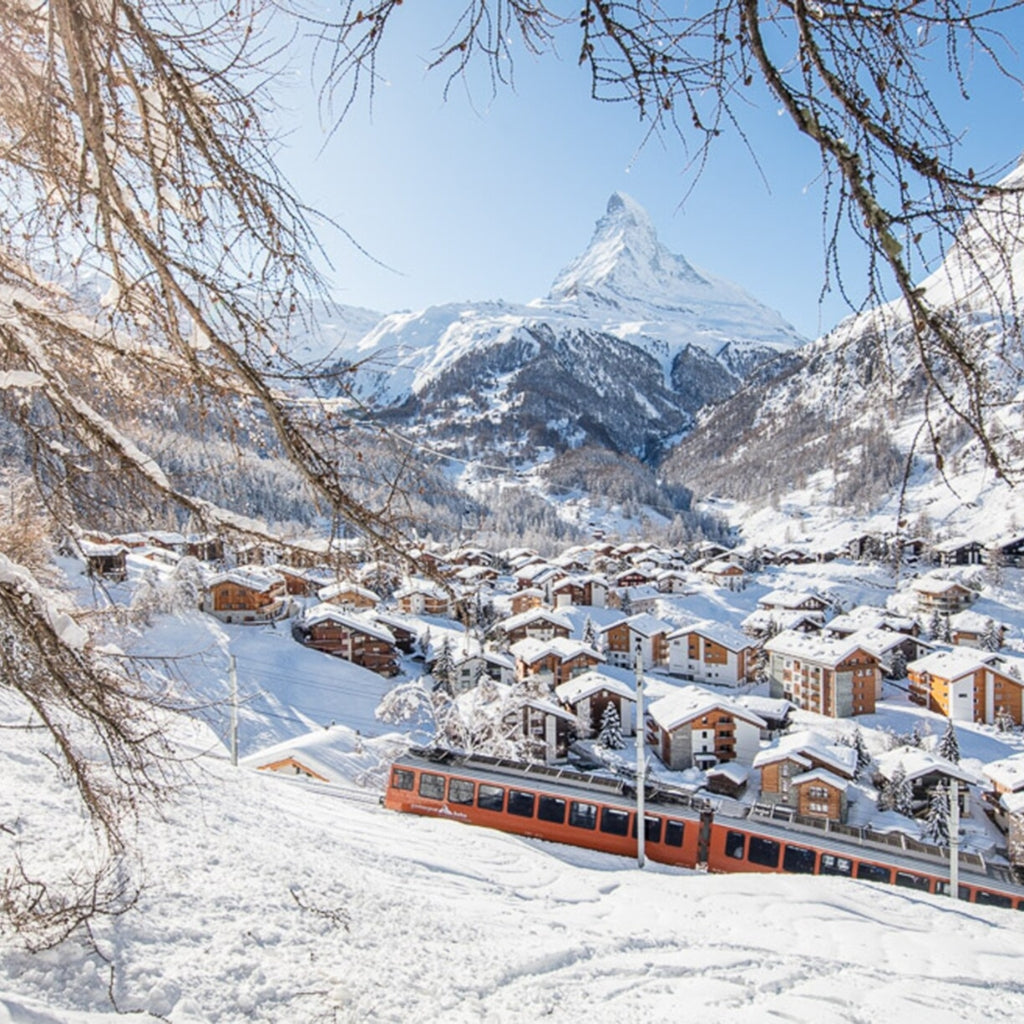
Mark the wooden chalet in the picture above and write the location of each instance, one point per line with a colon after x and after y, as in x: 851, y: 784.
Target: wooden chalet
x: 249, y: 594
x: 546, y: 729
x: 109, y: 561
x: 641, y: 632
x: 926, y: 772
x: 838, y: 677
x: 806, y: 772
x: 947, y: 597
x: 421, y: 597
x: 968, y: 685
x: 555, y: 660
x: 346, y: 594
x: 588, y: 695
x: 355, y: 638
x: 539, y: 623
x: 695, y: 728
x: 709, y: 652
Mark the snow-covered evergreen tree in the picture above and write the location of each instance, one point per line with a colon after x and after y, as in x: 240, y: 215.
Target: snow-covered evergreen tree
x: 936, y: 827
x: 626, y: 602
x: 899, y: 665
x: 444, y: 667
x: 990, y: 638
x: 863, y: 757
x: 589, y: 635
x: 1004, y: 720
x: 903, y: 793
x: 934, y: 627
x: 897, y: 793
x: 610, y: 735
x: 948, y: 745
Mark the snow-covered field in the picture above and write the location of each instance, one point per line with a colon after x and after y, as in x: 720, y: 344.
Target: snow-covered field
x: 275, y: 899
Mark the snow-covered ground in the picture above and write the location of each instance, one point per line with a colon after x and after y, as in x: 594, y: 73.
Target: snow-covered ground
x: 277, y: 900
x: 270, y: 898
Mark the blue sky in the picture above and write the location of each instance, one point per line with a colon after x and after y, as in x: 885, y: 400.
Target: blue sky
x: 485, y: 197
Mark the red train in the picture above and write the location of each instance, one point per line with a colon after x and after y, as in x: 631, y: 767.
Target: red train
x: 565, y: 806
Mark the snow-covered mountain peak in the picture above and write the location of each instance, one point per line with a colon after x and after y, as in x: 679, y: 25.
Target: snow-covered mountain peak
x: 626, y: 259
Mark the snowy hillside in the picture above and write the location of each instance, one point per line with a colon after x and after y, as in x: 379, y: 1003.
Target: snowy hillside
x: 855, y: 415
x: 274, y: 900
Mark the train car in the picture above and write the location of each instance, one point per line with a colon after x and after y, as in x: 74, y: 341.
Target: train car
x: 533, y: 800
x: 565, y: 806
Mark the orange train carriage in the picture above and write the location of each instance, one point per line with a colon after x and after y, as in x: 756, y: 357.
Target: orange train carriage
x: 565, y: 806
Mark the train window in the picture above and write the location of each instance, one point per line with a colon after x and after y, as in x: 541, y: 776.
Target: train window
x: 673, y: 833
x: 735, y: 845
x: 873, y: 872
x: 831, y: 865
x: 460, y: 791
x: 432, y: 786
x: 911, y: 881
x: 402, y: 779
x: 583, y: 815
x: 652, y: 829
x: 800, y: 860
x: 520, y: 803
x: 614, y: 821
x: 764, y: 852
x: 942, y: 889
x: 490, y: 798
x: 551, y: 808
x: 993, y: 899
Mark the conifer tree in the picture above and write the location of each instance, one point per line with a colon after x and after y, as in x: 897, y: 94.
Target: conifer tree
x: 589, y: 635
x: 936, y: 827
x: 863, y: 757
x: 444, y: 667
x: 610, y: 735
x: 990, y: 639
x: 948, y: 746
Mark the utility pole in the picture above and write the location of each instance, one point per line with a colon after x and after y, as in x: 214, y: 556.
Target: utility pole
x: 233, y: 676
x: 954, y: 839
x: 641, y: 760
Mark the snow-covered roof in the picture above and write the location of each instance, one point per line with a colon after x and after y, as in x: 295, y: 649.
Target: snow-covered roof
x: 936, y: 585
x: 346, y: 587
x: 325, y: 612
x: 807, y: 746
x: 643, y: 623
x: 789, y: 600
x: 718, y: 632
x: 953, y: 663
x: 1007, y: 772
x: 829, y: 651
x: 689, y: 702
x: 532, y: 615
x: 732, y: 770
x: 822, y: 775
x: 252, y: 577
x: 594, y: 680
x: 918, y: 762
x: 531, y: 649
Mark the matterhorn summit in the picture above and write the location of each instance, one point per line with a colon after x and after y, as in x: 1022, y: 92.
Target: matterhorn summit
x: 629, y: 282
x: 625, y: 261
